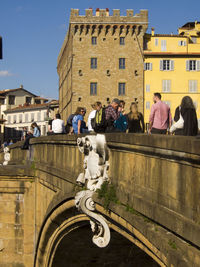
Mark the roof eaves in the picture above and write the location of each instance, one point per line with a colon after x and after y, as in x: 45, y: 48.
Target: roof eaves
x: 27, y: 108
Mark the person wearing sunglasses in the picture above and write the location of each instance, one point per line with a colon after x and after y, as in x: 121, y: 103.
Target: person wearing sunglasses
x: 78, y: 123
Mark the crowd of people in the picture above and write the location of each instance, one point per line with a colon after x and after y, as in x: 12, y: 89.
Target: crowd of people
x: 105, y: 119
x: 112, y: 119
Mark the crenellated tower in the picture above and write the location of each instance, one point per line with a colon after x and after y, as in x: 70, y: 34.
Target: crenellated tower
x: 102, y: 58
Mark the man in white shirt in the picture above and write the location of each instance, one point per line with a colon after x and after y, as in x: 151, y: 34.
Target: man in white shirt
x: 58, y: 126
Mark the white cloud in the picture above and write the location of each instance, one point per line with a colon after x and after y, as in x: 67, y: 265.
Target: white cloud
x: 5, y: 73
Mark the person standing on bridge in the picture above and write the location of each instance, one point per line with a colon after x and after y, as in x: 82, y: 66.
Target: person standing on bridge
x: 188, y: 113
x: 112, y: 115
x: 135, y: 120
x: 160, y: 118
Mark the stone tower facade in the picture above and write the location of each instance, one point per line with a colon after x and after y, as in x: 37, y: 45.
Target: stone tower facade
x: 102, y: 58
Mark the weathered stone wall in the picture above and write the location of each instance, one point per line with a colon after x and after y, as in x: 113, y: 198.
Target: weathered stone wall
x: 156, y: 175
x: 17, y: 213
x: 64, y: 70
x: 160, y: 178
x: 156, y: 178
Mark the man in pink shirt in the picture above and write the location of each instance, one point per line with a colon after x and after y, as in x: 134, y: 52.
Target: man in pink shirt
x: 160, y: 118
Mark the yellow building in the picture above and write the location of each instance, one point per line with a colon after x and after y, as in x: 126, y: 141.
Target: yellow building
x: 172, y: 67
x: 101, y: 59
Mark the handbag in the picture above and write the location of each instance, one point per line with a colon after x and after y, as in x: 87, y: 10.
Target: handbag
x: 179, y: 124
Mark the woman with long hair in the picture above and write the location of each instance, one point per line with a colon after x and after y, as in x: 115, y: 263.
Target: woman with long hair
x: 135, y: 120
x: 34, y: 133
x: 36, y: 129
x: 188, y: 112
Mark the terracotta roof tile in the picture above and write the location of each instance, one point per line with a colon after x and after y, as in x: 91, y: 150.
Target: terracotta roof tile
x: 13, y: 90
x: 24, y: 107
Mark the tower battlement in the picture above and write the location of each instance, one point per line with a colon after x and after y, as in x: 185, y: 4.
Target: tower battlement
x: 104, y: 16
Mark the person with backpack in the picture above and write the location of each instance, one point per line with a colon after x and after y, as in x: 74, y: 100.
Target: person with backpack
x: 98, y: 123
x: 121, y: 123
x: 112, y: 115
x: 91, y: 117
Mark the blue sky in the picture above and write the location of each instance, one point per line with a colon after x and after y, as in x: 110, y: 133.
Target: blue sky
x: 33, y: 32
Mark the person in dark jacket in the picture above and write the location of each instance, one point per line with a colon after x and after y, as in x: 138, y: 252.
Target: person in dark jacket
x: 135, y: 120
x: 189, y: 115
x: 112, y: 115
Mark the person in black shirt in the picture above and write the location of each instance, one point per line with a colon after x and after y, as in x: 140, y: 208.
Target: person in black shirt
x: 189, y: 115
x: 69, y: 123
x: 135, y: 120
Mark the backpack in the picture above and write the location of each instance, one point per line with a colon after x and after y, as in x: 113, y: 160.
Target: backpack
x: 70, y: 119
x: 69, y: 123
x: 121, y: 123
x: 98, y: 123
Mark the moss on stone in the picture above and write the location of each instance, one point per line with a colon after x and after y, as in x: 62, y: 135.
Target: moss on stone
x: 33, y: 167
x: 131, y: 210
x: 108, y: 194
x: 172, y: 244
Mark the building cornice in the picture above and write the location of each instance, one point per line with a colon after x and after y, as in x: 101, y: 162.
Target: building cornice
x: 110, y: 22
x: 177, y: 54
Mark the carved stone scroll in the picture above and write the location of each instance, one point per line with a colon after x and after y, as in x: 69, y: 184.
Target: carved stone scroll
x: 6, y: 155
x: 95, y: 173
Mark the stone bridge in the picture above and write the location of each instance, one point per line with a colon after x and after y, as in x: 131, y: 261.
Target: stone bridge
x: 151, y: 204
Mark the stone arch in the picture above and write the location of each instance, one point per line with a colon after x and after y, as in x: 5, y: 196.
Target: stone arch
x: 65, y: 218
